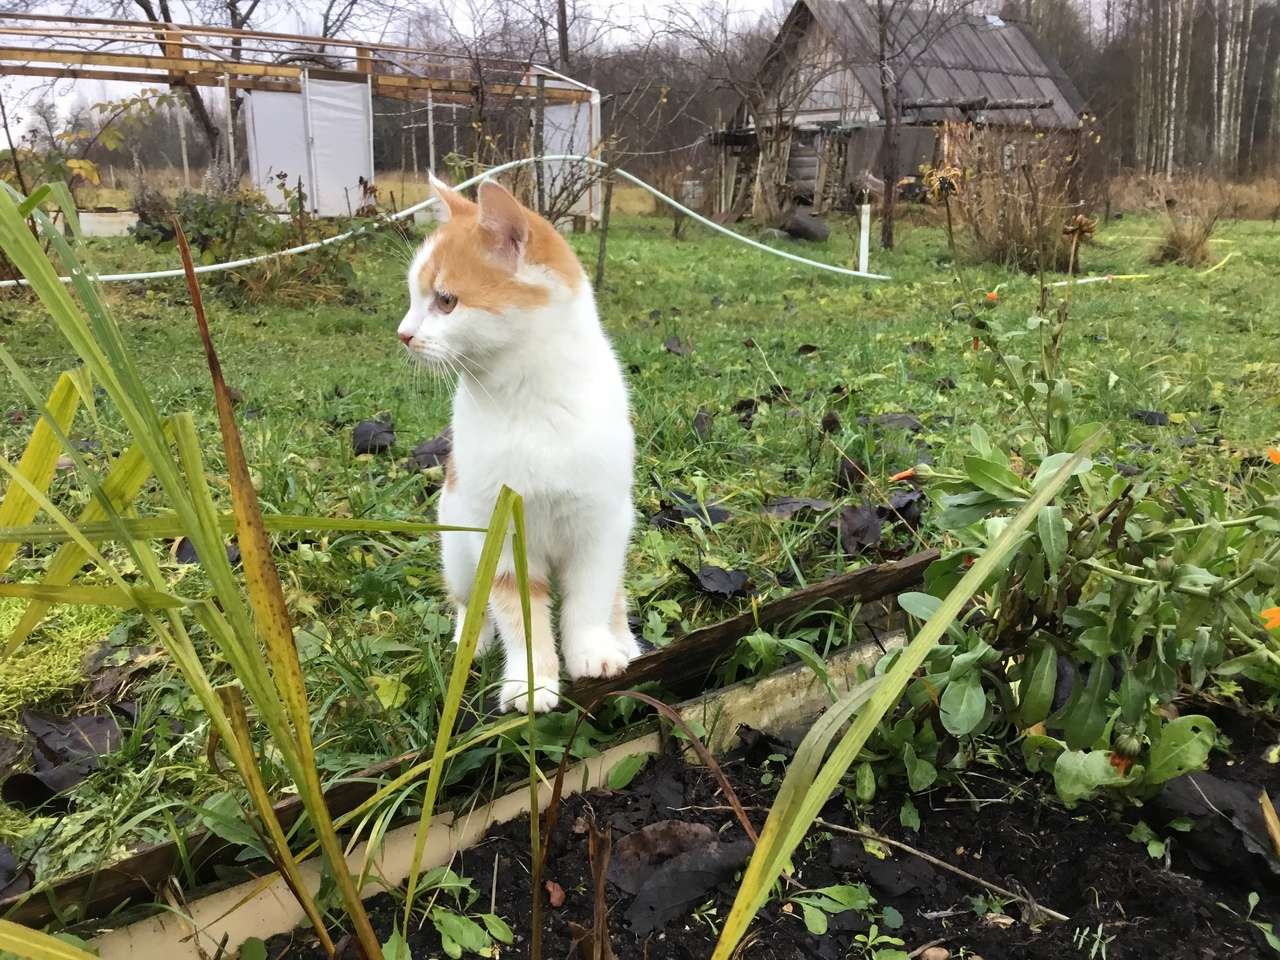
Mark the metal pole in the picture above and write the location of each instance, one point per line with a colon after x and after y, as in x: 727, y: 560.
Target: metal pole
x: 431, y: 132
x: 539, y: 119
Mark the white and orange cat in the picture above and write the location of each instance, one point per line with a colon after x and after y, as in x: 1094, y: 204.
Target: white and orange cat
x: 498, y: 297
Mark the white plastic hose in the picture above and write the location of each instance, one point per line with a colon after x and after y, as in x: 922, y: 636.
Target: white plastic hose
x: 409, y: 211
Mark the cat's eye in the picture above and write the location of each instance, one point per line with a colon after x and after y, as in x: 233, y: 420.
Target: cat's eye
x: 445, y: 302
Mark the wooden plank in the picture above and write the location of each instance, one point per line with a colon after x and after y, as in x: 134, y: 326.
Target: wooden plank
x: 173, y: 65
x: 681, y: 668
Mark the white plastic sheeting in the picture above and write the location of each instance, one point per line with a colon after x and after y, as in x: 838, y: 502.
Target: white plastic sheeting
x: 323, y: 135
x: 568, y: 130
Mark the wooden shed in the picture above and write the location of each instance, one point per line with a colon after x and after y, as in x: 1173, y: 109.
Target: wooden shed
x: 972, y: 72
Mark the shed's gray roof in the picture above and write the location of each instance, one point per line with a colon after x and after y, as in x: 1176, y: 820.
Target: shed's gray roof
x: 975, y: 56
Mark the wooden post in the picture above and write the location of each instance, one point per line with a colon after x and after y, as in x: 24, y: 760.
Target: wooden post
x: 604, y: 231
x: 413, y: 136
x: 431, y: 133
x: 182, y: 142
x: 231, y: 129
x: 539, y: 120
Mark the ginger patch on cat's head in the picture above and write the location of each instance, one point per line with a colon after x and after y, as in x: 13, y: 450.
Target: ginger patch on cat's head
x: 495, y: 255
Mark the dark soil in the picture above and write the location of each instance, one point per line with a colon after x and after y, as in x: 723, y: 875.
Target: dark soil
x: 999, y: 825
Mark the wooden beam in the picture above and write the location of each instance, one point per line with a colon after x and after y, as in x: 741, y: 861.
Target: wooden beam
x: 195, y: 70
x: 189, y: 79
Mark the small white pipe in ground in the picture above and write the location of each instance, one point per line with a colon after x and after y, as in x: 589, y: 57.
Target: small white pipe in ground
x: 864, y: 238
x: 409, y: 211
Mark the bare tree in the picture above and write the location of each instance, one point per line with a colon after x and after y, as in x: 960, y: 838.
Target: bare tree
x: 897, y: 36
x: 771, y: 65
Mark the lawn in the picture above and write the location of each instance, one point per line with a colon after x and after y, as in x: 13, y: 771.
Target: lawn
x: 753, y: 379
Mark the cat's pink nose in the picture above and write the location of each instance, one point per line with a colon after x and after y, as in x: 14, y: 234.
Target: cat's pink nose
x: 406, y: 338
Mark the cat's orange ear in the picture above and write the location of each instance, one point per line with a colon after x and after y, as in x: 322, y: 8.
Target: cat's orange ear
x: 505, y: 221
x: 451, y: 202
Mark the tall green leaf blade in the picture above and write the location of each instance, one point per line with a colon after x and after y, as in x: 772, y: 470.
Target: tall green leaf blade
x: 806, y: 786
x: 37, y: 464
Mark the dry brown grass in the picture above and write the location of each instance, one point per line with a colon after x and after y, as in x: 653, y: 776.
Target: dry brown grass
x: 1192, y: 214
x: 1256, y: 200
x: 1019, y: 190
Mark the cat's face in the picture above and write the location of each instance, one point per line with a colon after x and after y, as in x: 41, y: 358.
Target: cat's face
x: 483, y: 280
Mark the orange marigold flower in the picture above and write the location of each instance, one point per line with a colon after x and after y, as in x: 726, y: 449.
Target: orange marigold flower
x: 975, y: 344
x: 993, y: 296
x: 1271, y: 618
x: 1122, y: 764
x: 1273, y: 455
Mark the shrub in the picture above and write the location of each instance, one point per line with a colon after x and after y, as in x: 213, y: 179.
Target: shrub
x: 243, y: 224
x: 1194, y: 209
x: 1019, y: 191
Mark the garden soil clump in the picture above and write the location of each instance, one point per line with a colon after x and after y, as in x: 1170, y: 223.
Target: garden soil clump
x: 999, y: 825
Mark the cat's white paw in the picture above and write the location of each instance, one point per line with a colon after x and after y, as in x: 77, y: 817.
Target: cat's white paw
x: 605, y: 657
x: 514, y: 695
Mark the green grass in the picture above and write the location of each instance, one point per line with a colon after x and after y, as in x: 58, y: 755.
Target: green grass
x: 1198, y: 346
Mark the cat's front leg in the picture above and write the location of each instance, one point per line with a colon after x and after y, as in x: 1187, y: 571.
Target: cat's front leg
x: 594, y: 635
x: 504, y: 604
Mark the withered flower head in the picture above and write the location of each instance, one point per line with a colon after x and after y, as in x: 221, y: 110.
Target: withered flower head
x: 943, y: 183
x: 1079, y: 227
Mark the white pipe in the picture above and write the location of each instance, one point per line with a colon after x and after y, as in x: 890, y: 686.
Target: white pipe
x: 409, y: 211
x: 864, y: 238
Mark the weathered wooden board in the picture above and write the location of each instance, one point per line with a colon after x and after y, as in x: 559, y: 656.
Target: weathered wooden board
x: 682, y: 669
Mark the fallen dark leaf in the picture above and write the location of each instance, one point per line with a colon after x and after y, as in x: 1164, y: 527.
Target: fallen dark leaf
x: 14, y: 880
x: 673, y: 345
x: 859, y: 527
x: 678, y: 507
x: 702, y: 421
x: 675, y: 311
x: 434, y: 452
x: 787, y: 507
x: 1152, y: 418
x: 717, y: 302
x: 850, y: 475
x: 672, y: 866
x: 17, y: 416
x: 555, y: 894
x: 638, y: 855
x: 905, y: 505
x: 830, y: 422
x: 1127, y: 470
x: 746, y: 410
x: 717, y: 581
x: 66, y: 752
x: 372, y: 436
x: 899, y: 421
x: 807, y: 348
x: 655, y: 315
x: 749, y: 343
x: 235, y: 394
x: 66, y: 739
x: 87, y: 446
x: 184, y: 551
x: 758, y: 746
x: 1228, y: 832
x: 253, y: 413
x: 923, y: 347
x: 944, y: 383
